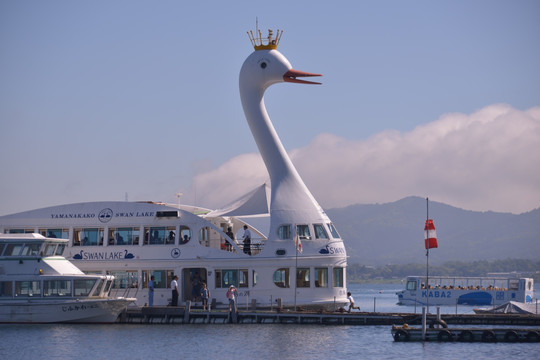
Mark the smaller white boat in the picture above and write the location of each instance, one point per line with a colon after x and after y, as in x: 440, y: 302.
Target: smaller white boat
x: 39, y: 285
x: 446, y: 290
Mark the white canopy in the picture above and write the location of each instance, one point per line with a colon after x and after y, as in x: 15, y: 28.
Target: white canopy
x: 256, y: 202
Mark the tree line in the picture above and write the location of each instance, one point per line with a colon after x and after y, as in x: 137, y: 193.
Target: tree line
x: 388, y: 273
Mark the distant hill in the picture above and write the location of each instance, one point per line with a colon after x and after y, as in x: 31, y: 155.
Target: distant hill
x: 393, y: 233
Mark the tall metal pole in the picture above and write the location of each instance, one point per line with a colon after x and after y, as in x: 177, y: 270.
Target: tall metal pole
x: 295, y: 269
x: 427, y: 254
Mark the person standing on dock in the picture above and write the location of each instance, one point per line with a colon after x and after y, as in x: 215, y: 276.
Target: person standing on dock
x: 231, y: 295
x: 351, y: 301
x: 205, y: 294
x: 151, y: 285
x: 175, y: 292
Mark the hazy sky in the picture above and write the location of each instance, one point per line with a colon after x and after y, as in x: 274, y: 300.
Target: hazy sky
x: 103, y: 100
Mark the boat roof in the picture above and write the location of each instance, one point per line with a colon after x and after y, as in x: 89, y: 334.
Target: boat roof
x: 28, y: 237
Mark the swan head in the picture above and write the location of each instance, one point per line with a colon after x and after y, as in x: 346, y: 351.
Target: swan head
x: 266, y: 67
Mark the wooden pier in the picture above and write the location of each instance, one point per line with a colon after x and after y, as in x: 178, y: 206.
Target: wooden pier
x: 187, y: 315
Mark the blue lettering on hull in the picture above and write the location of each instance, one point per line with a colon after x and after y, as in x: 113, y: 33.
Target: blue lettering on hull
x: 436, y: 294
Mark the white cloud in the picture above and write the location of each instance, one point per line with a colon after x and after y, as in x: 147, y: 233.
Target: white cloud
x: 488, y: 160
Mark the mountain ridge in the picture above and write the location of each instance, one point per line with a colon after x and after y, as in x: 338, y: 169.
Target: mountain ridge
x: 378, y: 234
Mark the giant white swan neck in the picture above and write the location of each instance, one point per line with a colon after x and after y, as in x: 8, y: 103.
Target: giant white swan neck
x: 260, y: 70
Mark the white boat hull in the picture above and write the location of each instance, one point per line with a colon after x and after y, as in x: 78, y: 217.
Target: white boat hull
x: 64, y: 311
x: 476, y: 291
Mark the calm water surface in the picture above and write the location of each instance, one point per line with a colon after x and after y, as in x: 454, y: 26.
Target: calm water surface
x: 244, y: 341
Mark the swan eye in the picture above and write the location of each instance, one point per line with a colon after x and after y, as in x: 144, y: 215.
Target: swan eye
x: 263, y: 65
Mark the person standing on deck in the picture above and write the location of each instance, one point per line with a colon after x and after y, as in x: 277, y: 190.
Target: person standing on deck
x: 175, y: 292
x: 247, y: 240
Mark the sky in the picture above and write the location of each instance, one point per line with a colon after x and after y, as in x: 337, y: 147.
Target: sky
x: 138, y: 100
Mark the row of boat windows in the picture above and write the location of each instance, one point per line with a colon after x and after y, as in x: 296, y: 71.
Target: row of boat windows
x: 469, y: 284
x: 117, y: 236
x: 167, y: 235
x: 304, y: 233
x: 55, y: 288
x: 305, y: 278
x: 29, y: 249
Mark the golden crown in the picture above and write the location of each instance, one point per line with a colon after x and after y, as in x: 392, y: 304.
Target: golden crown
x: 271, y: 41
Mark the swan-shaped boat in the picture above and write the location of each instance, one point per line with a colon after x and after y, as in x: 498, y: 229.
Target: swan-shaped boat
x: 300, y: 261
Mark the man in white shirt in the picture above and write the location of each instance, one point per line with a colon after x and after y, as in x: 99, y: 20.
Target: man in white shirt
x: 247, y: 240
x: 175, y: 292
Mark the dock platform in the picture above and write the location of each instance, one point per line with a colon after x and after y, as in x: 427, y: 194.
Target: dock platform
x: 406, y: 333
x: 187, y: 315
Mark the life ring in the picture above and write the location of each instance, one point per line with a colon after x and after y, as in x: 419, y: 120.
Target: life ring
x: 439, y: 322
x: 511, y: 336
x: 489, y: 336
x: 533, y: 336
x: 401, y: 335
x: 466, y: 336
x: 444, y: 335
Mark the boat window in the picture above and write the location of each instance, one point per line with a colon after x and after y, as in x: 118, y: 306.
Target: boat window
x: 281, y: 278
x: 57, y: 288
x: 55, y: 233
x: 88, y: 237
x: 13, y: 249
x: 123, y: 236
x: 284, y: 232
x: 82, y: 287
x: 411, y: 285
x: 321, y: 277
x: 154, y: 236
x: 303, y: 232
x: 1, y: 248
x: 302, y: 277
x: 254, y: 275
x: 99, y: 288
x: 243, y: 280
x: 320, y: 232
x: 108, y: 287
x: 338, y: 277
x: 333, y: 231
x: 162, y: 278
x: 6, y: 289
x: 171, y: 236
x: 49, y: 249
x: 125, y: 279
x: 204, y: 236
x: 27, y: 288
x: 226, y: 278
x: 514, y: 284
x: 185, y: 234
x: 20, y: 231
x: 31, y: 249
x: 60, y: 249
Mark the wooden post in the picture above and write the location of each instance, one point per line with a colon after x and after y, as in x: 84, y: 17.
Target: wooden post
x: 424, y: 320
x: 187, y: 311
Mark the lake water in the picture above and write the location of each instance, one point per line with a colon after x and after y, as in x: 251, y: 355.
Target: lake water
x: 245, y: 341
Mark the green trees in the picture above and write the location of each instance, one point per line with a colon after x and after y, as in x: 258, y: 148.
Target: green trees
x: 389, y: 273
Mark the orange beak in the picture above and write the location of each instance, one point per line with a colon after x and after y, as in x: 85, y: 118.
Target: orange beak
x: 291, y: 76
